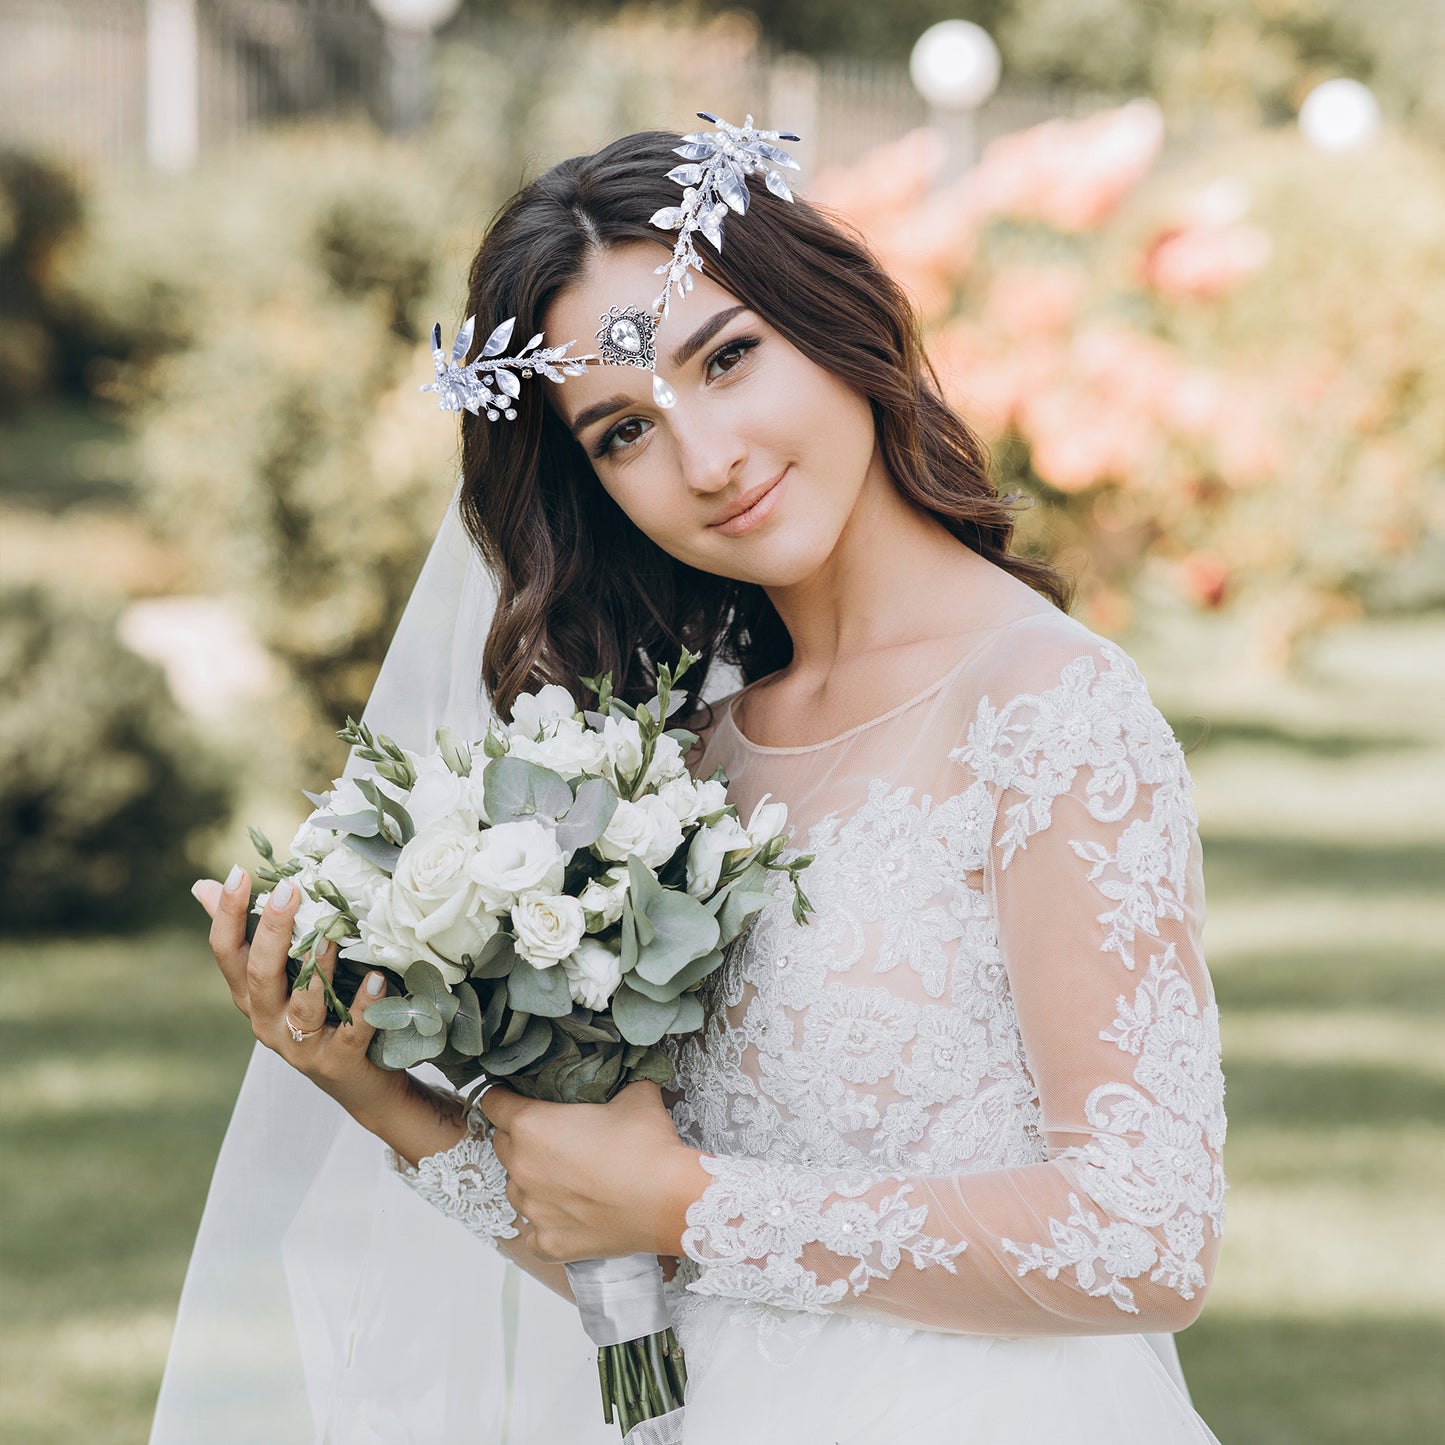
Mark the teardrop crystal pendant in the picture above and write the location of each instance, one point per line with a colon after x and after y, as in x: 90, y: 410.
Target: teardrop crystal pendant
x: 662, y: 393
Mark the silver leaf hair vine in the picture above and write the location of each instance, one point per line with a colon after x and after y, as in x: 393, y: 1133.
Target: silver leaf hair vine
x: 714, y: 173
x: 714, y: 176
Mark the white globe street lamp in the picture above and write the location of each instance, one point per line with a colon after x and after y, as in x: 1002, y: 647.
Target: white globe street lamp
x: 955, y: 67
x: 1339, y: 115
x: 409, y: 26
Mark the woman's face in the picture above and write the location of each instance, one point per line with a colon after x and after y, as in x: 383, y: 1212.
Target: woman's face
x: 753, y: 416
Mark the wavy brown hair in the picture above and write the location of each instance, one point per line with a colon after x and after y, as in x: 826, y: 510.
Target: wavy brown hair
x: 582, y: 590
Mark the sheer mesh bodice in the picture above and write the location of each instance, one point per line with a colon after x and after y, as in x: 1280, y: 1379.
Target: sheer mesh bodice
x: 979, y: 1092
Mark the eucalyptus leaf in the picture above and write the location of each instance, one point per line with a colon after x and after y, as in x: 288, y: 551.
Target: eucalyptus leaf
x: 424, y: 981
x: 541, y: 991
x: 403, y: 1048
x: 517, y: 1022
x: 685, y: 930
x: 397, y: 1013
x: 577, y: 1027
x: 374, y: 849
x: 587, y: 819
x: 642, y: 1020
x: 514, y: 788
x: 509, y: 1058
x: 358, y: 825
x: 628, y: 937
x: 741, y: 905
x: 497, y: 958
x: 465, y: 1034
x: 494, y: 1010
x: 689, y: 1015
x: 652, y: 1064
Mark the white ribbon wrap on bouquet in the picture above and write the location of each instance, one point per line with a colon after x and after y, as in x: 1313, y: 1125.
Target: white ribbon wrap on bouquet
x: 619, y: 1299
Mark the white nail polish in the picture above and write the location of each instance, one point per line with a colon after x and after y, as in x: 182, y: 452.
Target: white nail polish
x: 281, y: 893
x: 233, y: 878
x: 375, y: 984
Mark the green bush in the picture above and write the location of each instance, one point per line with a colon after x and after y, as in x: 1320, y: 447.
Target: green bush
x: 104, y: 787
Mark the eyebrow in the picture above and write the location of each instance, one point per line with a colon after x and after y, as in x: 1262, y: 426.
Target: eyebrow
x: 600, y: 410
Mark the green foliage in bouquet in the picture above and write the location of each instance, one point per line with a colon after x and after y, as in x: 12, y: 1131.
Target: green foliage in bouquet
x: 104, y: 786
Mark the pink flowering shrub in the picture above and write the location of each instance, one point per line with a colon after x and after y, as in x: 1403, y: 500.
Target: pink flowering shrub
x: 1212, y: 374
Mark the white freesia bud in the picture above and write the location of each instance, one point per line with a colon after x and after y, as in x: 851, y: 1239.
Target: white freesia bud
x: 603, y: 896
x: 709, y: 851
x: 548, y: 926
x: 438, y: 791
x: 532, y: 710
x: 593, y: 973
x: 666, y: 761
x: 568, y: 747
x: 623, y: 749
x: 681, y: 795
x: 516, y: 858
x: 712, y: 797
x: 767, y: 821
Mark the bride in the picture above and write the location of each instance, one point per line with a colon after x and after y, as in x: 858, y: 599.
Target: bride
x: 943, y: 1163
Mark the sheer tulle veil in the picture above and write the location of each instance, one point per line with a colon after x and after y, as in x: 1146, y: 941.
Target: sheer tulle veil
x: 324, y: 1301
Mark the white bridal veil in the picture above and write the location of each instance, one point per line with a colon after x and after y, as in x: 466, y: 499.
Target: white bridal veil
x: 325, y: 1303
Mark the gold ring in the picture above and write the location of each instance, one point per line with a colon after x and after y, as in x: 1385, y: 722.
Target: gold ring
x: 300, y: 1035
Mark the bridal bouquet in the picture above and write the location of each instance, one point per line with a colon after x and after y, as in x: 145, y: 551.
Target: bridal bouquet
x: 546, y: 903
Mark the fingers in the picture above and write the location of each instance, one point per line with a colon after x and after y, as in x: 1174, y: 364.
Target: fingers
x: 499, y: 1104
x: 306, y: 1007
x: 355, y: 1037
x: 266, y: 959
x: 227, y: 905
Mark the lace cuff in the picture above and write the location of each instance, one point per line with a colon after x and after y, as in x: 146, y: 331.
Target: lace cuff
x: 754, y: 1224
x: 466, y: 1182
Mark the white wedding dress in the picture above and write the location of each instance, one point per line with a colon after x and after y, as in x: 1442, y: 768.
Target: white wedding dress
x: 963, y: 1126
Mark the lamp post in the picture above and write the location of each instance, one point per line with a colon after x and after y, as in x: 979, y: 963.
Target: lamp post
x: 1339, y: 115
x: 409, y: 26
x: 955, y: 67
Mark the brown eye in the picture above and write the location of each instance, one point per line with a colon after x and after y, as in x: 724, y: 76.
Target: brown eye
x: 728, y: 358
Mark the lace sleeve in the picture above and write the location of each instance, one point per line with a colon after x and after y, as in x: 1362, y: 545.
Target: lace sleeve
x: 1092, y: 868
x: 466, y: 1182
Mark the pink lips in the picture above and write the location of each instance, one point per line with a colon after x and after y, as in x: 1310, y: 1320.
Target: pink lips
x: 755, y: 514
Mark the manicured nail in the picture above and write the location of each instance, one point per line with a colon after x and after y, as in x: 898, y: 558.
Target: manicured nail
x: 374, y: 984
x: 196, y: 889
x: 281, y: 893
x: 233, y: 878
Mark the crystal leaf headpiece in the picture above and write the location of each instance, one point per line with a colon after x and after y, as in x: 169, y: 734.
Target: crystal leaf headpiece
x: 491, y: 382
x: 714, y: 176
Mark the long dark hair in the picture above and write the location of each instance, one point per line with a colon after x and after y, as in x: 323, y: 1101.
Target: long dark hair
x: 581, y: 589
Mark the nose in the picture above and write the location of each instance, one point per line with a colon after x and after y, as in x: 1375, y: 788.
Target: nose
x: 710, y: 452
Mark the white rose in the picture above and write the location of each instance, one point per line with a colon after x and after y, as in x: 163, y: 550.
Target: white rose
x: 313, y: 842
x: 681, y: 795
x: 767, y: 821
x: 516, y: 858
x: 532, y: 710
x: 603, y: 896
x: 433, y: 893
x: 647, y: 828
x: 710, y: 848
x: 388, y: 940
x: 352, y: 876
x: 572, y: 749
x: 548, y: 927
x: 622, y: 755
x: 593, y: 972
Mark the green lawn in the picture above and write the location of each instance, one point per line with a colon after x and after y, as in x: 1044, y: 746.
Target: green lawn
x: 1322, y: 810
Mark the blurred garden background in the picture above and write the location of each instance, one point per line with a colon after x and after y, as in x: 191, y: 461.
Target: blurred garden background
x: 1180, y: 262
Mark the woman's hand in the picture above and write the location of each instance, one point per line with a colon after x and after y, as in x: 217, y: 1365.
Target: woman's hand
x: 595, y: 1181
x: 411, y: 1118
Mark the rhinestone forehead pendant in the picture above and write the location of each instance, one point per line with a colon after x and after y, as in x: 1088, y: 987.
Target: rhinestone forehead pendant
x: 628, y: 337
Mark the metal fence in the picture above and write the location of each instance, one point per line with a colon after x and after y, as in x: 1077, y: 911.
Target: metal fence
x: 77, y: 77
